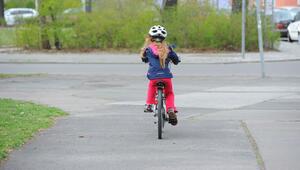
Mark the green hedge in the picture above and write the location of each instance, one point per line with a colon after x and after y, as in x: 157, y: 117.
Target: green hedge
x: 19, y: 4
x: 189, y: 26
x: 7, y: 37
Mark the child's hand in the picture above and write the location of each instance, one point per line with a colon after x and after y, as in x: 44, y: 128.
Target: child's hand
x: 142, y: 52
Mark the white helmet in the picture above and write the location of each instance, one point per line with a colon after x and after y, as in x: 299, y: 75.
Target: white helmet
x: 158, y: 31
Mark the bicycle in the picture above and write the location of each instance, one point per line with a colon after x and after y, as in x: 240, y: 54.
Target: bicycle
x: 160, y: 111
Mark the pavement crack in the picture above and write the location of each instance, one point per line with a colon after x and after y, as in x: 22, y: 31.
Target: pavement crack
x: 259, y: 158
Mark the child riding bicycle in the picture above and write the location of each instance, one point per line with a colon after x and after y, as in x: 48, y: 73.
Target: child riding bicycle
x: 158, y: 54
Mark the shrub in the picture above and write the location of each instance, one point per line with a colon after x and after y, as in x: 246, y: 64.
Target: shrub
x: 7, y: 37
x: 124, y: 25
x: 19, y: 4
x: 28, y: 35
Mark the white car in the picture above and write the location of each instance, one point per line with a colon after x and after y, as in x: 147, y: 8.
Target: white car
x: 14, y: 15
x: 294, y: 29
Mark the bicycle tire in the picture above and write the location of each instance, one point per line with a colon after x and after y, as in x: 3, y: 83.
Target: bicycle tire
x: 160, y: 113
x: 163, y: 116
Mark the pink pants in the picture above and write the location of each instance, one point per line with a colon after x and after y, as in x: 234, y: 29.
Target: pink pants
x: 168, y: 90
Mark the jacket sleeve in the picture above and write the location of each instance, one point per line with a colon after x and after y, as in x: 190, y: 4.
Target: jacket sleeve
x: 145, y: 57
x: 173, y: 56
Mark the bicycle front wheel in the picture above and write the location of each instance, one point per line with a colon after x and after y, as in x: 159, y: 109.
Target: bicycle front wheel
x: 160, y: 113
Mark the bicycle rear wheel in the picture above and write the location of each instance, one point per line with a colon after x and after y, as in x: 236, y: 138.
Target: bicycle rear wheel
x: 160, y: 113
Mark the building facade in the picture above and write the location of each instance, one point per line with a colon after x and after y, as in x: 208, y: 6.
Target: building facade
x: 281, y: 3
x: 227, y: 4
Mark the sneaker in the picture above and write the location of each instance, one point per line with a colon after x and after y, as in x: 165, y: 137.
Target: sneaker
x: 148, y: 108
x: 172, y: 117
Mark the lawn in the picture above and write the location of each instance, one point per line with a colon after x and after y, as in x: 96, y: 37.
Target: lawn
x: 7, y: 37
x: 4, y: 76
x: 20, y: 120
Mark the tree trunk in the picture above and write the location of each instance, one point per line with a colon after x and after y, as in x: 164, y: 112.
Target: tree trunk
x: 1, y: 9
x: 43, y: 22
x: 236, y: 6
x: 171, y: 3
x: 44, y: 36
x: 168, y: 3
x: 56, y: 38
x: 88, y: 6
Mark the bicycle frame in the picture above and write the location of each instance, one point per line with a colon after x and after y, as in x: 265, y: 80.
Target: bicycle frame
x: 160, y: 111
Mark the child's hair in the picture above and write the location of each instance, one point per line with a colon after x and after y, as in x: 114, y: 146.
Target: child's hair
x: 162, y: 47
x: 163, y: 51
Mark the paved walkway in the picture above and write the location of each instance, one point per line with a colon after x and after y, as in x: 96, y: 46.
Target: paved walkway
x: 225, y: 122
x: 287, y: 52
x: 101, y: 57
x: 229, y: 123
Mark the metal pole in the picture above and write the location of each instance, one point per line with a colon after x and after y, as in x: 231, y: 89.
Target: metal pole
x: 83, y: 5
x: 37, y: 5
x: 265, y: 24
x: 273, y: 20
x: 298, y: 34
x: 243, y: 27
x: 164, y: 4
x: 273, y: 12
x: 260, y: 39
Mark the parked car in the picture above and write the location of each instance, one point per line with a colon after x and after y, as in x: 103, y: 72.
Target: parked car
x: 293, y: 29
x: 282, y: 19
x: 14, y: 16
x: 292, y: 10
x: 73, y: 10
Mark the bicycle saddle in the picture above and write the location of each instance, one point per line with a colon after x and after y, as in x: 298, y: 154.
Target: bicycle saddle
x: 160, y: 84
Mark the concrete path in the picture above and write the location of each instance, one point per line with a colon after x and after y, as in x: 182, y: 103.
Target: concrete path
x: 129, y: 58
x: 272, y: 69
x: 286, y: 52
x: 224, y: 123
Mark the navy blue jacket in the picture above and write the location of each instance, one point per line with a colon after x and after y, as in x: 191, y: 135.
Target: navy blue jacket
x: 155, y: 71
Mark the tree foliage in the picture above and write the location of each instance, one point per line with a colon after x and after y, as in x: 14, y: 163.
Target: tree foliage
x: 19, y: 4
x: 49, y: 12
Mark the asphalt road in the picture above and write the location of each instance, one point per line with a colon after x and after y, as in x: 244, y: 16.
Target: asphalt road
x: 229, y: 118
x: 289, y: 68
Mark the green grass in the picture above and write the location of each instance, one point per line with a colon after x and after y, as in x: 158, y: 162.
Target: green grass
x: 4, y: 76
x: 20, y: 120
x: 7, y: 37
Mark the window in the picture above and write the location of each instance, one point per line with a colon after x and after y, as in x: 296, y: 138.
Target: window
x: 25, y: 12
x: 14, y: 13
x: 21, y: 12
x: 297, y: 17
x: 282, y: 15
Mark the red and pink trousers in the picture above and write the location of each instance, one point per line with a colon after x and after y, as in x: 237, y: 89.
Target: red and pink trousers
x: 168, y: 91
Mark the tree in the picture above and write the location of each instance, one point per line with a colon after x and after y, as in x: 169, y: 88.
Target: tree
x: 167, y: 9
x: 170, y: 3
x: 1, y: 9
x: 49, y: 12
x: 88, y: 6
x: 236, y: 6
